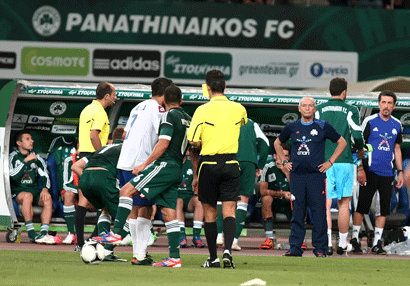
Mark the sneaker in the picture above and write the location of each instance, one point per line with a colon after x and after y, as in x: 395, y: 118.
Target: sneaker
x: 211, y: 264
x: 77, y: 248
x: 220, y: 241
x: 153, y: 237
x: 329, y: 251
x: 183, y: 242
x: 267, y: 244
x: 146, y: 261
x: 126, y: 241
x: 169, y: 262
x: 342, y: 251
x: 227, y: 259
x: 236, y: 247
x: 378, y: 249
x: 197, y: 242
x: 70, y: 239
x: 114, y: 258
x: 110, y: 238
x: 356, y: 246
x: 320, y: 254
x: 48, y: 239
x: 304, y: 246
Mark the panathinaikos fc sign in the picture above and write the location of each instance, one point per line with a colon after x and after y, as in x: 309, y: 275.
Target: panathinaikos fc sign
x: 380, y: 38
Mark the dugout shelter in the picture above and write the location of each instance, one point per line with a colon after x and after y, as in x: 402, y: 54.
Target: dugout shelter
x: 50, y: 110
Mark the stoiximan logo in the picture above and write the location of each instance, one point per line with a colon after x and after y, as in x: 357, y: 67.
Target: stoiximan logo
x: 195, y: 65
x: 46, y: 20
x: 55, y: 61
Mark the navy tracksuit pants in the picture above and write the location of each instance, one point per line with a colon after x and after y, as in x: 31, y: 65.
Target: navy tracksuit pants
x: 308, y: 189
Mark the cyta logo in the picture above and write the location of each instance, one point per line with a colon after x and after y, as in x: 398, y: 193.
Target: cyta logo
x: 55, y: 61
x: 46, y: 21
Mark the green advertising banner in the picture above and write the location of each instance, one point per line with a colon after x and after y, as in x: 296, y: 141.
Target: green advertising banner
x: 54, y: 61
x: 381, y: 37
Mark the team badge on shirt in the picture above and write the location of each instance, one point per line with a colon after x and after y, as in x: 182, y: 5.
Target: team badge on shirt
x: 313, y: 132
x: 161, y: 109
x: 303, y: 148
x: 385, y: 142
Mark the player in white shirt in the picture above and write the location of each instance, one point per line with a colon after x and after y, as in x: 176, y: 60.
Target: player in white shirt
x: 140, y: 138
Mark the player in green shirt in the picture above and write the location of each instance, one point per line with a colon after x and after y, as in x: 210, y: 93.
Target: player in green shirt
x: 274, y: 190
x: 160, y: 180
x: 339, y: 178
x: 251, y: 140
x: 188, y: 201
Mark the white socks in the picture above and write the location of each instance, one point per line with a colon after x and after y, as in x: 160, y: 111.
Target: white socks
x: 329, y: 237
x: 356, y: 230
x: 378, y: 232
x: 343, y: 239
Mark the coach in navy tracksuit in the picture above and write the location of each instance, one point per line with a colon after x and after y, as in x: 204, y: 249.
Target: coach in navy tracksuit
x: 308, y: 174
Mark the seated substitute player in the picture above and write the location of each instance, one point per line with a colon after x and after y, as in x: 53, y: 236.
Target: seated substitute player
x: 188, y: 201
x: 274, y: 187
x: 26, y: 168
x: 99, y: 184
x: 70, y: 195
x: 251, y: 139
x: 160, y: 181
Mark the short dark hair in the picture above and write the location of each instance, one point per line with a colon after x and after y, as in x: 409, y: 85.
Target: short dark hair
x: 19, y: 135
x: 173, y: 94
x: 117, y: 133
x: 159, y: 86
x: 215, y: 79
x: 102, y: 89
x: 286, y: 146
x: 388, y: 93
x: 337, y: 86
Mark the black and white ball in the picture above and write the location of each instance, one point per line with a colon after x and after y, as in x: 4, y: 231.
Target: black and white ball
x: 92, y: 253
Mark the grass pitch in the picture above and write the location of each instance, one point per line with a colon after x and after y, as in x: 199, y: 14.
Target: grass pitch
x: 66, y: 268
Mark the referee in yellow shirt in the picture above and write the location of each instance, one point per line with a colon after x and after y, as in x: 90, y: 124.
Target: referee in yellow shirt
x: 215, y: 127
x: 94, y: 124
x: 93, y: 134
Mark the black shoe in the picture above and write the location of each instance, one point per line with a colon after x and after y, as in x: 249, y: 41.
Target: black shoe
x: 146, y: 261
x: 320, y: 254
x: 341, y: 250
x: 113, y: 258
x: 356, y: 246
x: 77, y: 248
x: 291, y: 254
x: 227, y: 259
x: 211, y: 264
x: 378, y: 249
x: 329, y: 251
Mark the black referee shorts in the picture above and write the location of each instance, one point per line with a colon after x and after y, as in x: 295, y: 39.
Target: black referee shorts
x: 219, y: 178
x: 84, y: 154
x: 366, y: 193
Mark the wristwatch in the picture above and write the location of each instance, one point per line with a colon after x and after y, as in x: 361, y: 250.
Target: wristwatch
x: 284, y: 162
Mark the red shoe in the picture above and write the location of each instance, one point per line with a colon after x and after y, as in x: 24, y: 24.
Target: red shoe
x: 268, y: 244
x: 304, y: 245
x: 169, y: 262
x: 110, y: 238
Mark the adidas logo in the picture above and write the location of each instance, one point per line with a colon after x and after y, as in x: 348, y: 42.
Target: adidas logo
x: 375, y: 129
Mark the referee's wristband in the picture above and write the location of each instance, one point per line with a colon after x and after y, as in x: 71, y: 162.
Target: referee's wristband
x: 330, y: 162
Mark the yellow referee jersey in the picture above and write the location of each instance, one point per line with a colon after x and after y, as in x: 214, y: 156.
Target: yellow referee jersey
x: 216, y: 125
x: 93, y: 117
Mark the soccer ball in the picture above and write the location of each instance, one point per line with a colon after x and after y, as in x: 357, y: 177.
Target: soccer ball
x: 92, y: 253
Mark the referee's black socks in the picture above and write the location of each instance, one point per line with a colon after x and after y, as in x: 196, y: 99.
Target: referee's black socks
x: 211, y: 232
x: 229, y: 232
